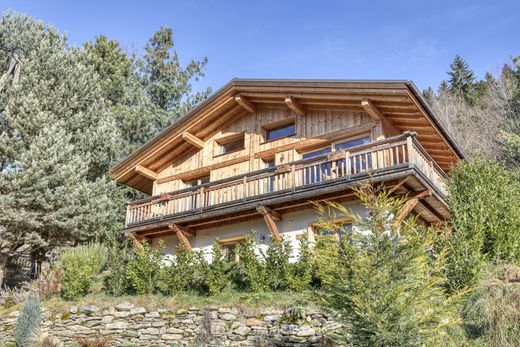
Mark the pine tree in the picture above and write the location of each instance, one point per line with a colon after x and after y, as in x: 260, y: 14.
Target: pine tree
x: 462, y: 79
x: 57, y: 142
x: 384, y: 279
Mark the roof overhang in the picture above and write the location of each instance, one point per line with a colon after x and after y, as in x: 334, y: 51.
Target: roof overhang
x: 400, y: 102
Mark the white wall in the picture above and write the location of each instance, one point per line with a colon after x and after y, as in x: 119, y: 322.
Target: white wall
x: 291, y: 225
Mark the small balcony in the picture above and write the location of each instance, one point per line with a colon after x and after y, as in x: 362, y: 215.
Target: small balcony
x: 311, y: 176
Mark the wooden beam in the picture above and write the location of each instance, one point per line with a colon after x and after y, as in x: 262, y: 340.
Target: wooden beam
x: 405, y: 210
x: 374, y: 112
x: 294, y: 105
x: 137, y: 243
x: 266, y: 210
x: 181, y: 234
x: 192, y: 139
x: 146, y: 172
x: 269, y: 217
x: 246, y: 104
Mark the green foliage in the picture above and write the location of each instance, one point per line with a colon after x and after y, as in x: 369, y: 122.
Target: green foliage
x: 28, y: 322
x: 302, y: 272
x: 277, y: 264
x: 462, y: 79
x: 384, y: 281
x: 179, y: 276
x: 214, y: 275
x: 144, y: 270
x: 252, y: 271
x: 81, y: 265
x: 491, y: 314
x: 119, y: 256
x: 483, y: 197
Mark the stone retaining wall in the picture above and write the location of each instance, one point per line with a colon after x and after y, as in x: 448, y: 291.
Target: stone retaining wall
x: 126, y: 324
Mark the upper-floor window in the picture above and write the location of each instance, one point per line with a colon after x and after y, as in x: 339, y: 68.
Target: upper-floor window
x: 280, y: 131
x: 230, y: 144
x: 198, y: 181
x: 351, y: 143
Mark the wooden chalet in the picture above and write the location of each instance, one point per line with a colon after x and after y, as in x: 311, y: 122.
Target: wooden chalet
x: 257, y: 152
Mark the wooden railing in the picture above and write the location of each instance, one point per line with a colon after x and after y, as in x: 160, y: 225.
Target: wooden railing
x: 374, y: 157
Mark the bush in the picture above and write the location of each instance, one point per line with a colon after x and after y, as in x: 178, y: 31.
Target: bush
x: 252, y: 272
x: 301, y: 273
x: 384, y: 280
x: 119, y: 256
x: 28, y: 322
x: 81, y: 266
x: 144, y: 270
x: 492, y: 310
x: 277, y: 263
x: 483, y: 197
x: 179, y: 276
x: 214, y: 276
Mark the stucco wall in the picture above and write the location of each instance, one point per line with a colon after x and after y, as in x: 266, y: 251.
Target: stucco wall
x: 293, y: 227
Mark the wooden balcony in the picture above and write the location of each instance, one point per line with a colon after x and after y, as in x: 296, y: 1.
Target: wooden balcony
x: 304, y: 178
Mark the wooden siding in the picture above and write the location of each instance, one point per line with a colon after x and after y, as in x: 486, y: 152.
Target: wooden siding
x: 324, y: 124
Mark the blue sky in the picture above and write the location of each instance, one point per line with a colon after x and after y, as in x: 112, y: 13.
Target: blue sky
x: 304, y: 39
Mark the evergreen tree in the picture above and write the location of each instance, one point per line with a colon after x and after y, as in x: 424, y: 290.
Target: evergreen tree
x: 57, y: 142
x: 462, y: 79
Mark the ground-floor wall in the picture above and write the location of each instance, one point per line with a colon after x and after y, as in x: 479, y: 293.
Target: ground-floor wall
x: 294, y: 226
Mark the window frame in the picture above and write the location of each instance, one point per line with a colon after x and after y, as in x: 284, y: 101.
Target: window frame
x: 233, y: 241
x: 314, y: 227
x: 276, y: 126
x: 220, y: 142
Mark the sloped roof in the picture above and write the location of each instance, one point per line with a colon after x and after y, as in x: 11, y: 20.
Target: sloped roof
x: 397, y: 100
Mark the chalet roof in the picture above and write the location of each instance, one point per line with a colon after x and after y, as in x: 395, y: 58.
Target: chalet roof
x: 397, y: 100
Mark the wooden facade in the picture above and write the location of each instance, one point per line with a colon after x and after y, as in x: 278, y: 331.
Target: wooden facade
x: 219, y: 164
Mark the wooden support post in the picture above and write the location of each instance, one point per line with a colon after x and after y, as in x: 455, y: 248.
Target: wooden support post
x: 182, y: 233
x: 146, y: 172
x: 409, y: 205
x: 193, y: 140
x: 136, y: 241
x: 374, y: 112
x: 295, y: 105
x: 270, y: 216
x: 246, y: 104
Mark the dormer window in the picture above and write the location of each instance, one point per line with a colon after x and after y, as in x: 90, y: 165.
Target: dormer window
x: 279, y: 131
x: 230, y: 144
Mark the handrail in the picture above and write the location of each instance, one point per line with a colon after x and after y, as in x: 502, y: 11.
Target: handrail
x: 378, y: 155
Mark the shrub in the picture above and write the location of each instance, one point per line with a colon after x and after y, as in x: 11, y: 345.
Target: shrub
x: 81, y: 266
x: 119, y: 256
x: 28, y: 322
x: 144, y: 270
x: 178, y: 277
x: 46, y: 340
x: 277, y: 264
x: 252, y: 271
x: 214, y: 276
x: 301, y: 273
x: 93, y: 342
x: 483, y: 197
x: 384, y: 280
x: 492, y: 310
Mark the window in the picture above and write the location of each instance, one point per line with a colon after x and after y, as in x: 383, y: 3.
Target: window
x: 230, y: 248
x: 280, y: 132
x: 269, y: 164
x: 351, y: 143
x: 316, y: 153
x: 230, y: 144
x: 194, y: 200
x: 342, y: 230
x: 198, y: 181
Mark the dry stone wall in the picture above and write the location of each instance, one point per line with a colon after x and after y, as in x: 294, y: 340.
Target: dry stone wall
x: 126, y: 324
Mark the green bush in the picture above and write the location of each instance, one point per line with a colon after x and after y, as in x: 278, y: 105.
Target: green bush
x: 384, y: 281
x: 144, y: 270
x: 483, y: 197
x: 301, y: 273
x: 492, y: 310
x: 81, y: 266
x: 28, y: 322
x: 214, y: 275
x: 277, y: 264
x: 119, y: 256
x: 252, y: 272
x: 179, y: 275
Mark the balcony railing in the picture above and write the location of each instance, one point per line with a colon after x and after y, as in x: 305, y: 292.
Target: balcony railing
x: 375, y: 157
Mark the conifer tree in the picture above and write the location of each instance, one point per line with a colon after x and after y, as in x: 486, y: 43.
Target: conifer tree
x: 462, y: 78
x: 57, y: 142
